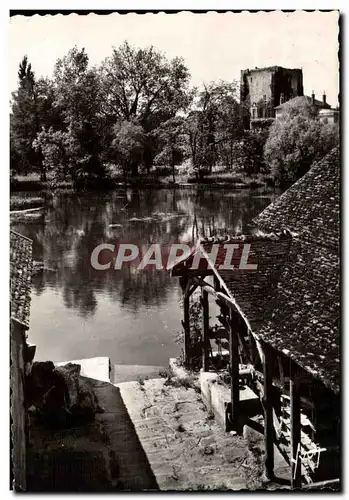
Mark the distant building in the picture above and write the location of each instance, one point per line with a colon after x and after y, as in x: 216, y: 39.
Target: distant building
x: 262, y: 89
x: 319, y: 106
x: 329, y: 115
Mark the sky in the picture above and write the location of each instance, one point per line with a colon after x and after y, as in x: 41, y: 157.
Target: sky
x: 215, y: 46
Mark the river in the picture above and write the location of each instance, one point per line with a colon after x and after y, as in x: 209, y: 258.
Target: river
x: 132, y: 317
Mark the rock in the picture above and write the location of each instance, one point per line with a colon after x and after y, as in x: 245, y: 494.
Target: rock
x: 60, y: 395
x: 87, y: 405
x: 71, y: 374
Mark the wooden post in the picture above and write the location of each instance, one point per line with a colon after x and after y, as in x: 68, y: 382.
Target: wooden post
x: 216, y: 283
x: 234, y: 369
x: 295, y: 433
x: 205, y: 339
x: 268, y: 414
x: 186, y: 325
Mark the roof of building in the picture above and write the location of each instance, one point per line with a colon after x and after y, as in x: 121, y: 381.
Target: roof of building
x: 269, y: 68
x: 20, y: 277
x: 310, y: 207
x: 302, y: 99
x: 307, y: 313
x: 292, y: 299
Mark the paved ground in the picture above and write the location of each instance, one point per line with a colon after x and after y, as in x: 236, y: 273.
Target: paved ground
x: 184, y: 446
x: 127, y: 373
x: 153, y: 434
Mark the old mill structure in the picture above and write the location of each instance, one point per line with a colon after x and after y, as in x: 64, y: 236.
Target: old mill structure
x: 279, y: 331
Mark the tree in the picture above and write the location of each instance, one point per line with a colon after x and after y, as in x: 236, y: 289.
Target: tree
x: 170, y: 136
x: 78, y: 97
x: 128, y: 144
x: 25, y: 122
x: 221, y: 122
x: 59, y: 152
x: 295, y: 141
x: 143, y: 85
x: 250, y: 154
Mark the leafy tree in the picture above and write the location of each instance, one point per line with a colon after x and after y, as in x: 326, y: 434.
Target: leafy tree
x: 222, y: 124
x: 78, y: 97
x: 142, y: 84
x: 24, y: 121
x: 128, y: 144
x: 59, y: 152
x: 295, y: 141
x: 249, y: 154
x: 170, y: 136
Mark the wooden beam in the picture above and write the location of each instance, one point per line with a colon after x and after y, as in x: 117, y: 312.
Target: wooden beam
x: 241, y: 330
x: 216, y: 283
x: 186, y: 288
x: 295, y: 434
x: 234, y: 370
x: 205, y: 339
x: 329, y: 483
x: 268, y: 413
x: 217, y: 295
x: 186, y: 325
x: 192, y: 290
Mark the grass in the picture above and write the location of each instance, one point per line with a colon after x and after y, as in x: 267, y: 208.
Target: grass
x: 190, y: 382
x: 21, y: 203
x: 159, y: 176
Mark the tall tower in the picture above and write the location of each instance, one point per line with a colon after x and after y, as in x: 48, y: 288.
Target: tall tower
x: 262, y: 88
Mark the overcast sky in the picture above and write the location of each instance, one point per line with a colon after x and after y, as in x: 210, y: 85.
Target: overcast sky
x: 215, y: 46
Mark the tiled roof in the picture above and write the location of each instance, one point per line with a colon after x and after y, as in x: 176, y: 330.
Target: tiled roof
x: 305, y: 319
x: 302, y: 99
x: 310, y: 207
x: 305, y: 316
x: 20, y: 277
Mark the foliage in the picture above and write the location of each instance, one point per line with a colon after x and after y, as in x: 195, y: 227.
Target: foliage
x: 172, y: 143
x: 58, y: 149
x: 295, y: 141
x: 128, y: 144
x: 250, y: 152
x: 137, y: 109
x: 24, y: 120
x: 142, y: 85
x: 75, y: 83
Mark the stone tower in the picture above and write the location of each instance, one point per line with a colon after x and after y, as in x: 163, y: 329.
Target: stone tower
x: 262, y: 89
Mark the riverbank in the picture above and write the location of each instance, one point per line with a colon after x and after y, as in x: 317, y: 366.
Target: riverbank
x: 224, y: 180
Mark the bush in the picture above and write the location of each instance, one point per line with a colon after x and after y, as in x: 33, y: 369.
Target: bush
x: 295, y: 142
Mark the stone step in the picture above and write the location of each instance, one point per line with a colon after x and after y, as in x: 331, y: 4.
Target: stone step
x: 97, y: 368
x: 129, y: 373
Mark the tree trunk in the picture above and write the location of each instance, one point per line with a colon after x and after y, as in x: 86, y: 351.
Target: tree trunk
x: 134, y: 169
x: 173, y: 168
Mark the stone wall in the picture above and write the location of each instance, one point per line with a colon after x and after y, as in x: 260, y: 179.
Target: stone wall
x: 18, y: 418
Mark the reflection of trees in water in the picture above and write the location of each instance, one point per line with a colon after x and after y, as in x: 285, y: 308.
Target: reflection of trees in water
x: 75, y: 224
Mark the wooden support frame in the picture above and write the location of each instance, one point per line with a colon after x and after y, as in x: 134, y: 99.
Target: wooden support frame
x: 186, y: 326
x: 234, y: 370
x: 295, y: 433
x: 206, y: 332
x: 268, y: 413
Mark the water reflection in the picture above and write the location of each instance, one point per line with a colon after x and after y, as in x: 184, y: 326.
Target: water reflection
x: 73, y: 225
